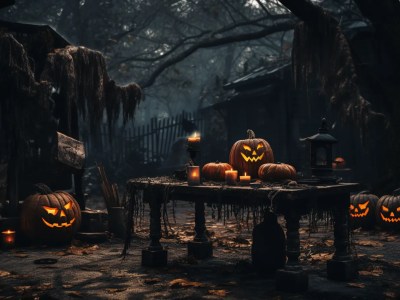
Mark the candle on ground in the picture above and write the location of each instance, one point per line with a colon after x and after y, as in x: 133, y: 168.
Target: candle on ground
x: 8, y: 238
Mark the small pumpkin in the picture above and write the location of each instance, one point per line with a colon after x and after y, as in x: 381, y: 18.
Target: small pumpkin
x: 246, y: 156
x: 338, y: 163
x: 362, y: 210
x: 388, y: 211
x: 50, y: 217
x: 276, y: 172
x: 215, y: 170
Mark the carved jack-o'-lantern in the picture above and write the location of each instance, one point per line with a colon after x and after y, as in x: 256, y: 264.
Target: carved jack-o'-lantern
x: 249, y: 154
x: 49, y: 217
x: 362, y: 210
x: 388, y: 211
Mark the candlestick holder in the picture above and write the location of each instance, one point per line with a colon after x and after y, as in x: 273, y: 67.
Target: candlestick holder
x: 193, y: 149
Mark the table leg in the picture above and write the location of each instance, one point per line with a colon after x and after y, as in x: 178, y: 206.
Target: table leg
x: 200, y: 247
x: 342, y: 266
x: 292, y: 278
x: 155, y: 255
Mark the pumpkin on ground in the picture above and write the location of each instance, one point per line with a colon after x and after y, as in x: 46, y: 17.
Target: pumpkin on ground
x: 215, y: 171
x: 362, y: 210
x: 276, y: 172
x: 50, y: 217
x: 249, y: 154
x: 388, y: 211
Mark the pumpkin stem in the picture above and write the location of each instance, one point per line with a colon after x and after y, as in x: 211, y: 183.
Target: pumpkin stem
x: 251, y: 134
x: 43, y: 189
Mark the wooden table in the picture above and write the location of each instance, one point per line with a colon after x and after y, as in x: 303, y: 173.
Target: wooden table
x: 290, y: 201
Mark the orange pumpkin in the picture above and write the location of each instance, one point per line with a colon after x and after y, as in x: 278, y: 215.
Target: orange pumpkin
x: 248, y: 155
x: 215, y: 171
x: 276, y: 172
x: 50, y: 217
x: 388, y: 211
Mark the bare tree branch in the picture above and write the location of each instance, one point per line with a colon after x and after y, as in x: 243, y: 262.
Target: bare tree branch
x: 278, y: 26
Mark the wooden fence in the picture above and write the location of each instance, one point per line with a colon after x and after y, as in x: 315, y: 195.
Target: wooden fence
x: 150, y: 143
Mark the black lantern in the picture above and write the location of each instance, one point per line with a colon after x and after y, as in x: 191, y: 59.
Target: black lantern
x: 321, y: 152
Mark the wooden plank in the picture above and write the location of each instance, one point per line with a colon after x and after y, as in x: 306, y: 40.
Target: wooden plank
x: 70, y: 152
x: 163, y: 139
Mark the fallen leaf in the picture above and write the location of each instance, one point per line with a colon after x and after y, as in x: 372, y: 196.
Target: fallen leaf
x: 376, y: 271
x: 391, y: 295
x: 219, y: 293
x: 328, y: 243
x: 21, y: 255
x: 4, y: 273
x: 115, y: 290
x: 376, y: 256
x: 75, y: 294
x: 390, y: 238
x: 356, y: 285
x: 369, y: 243
x: 22, y: 288
x: 44, y: 287
x: 74, y: 250
x: 150, y: 281
x: 183, y: 283
x: 67, y: 286
x: 321, y: 256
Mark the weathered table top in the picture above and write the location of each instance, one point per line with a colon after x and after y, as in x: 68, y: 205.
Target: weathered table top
x: 214, y: 191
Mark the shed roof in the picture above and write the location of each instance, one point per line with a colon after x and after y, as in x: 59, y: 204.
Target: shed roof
x: 264, y: 75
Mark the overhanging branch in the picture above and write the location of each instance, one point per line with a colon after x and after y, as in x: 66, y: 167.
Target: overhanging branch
x: 278, y: 26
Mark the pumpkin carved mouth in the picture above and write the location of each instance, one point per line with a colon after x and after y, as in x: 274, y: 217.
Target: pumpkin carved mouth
x: 360, y: 215
x: 65, y: 224
x: 252, y: 158
x: 388, y: 219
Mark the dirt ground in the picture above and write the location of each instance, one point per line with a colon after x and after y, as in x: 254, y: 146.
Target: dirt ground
x: 97, y: 271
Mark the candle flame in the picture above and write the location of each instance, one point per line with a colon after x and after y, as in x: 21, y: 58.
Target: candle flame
x: 8, y: 231
x: 245, y: 174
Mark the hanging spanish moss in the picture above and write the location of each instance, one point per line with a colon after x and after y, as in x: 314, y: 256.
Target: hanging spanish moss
x: 321, y: 51
x: 80, y: 76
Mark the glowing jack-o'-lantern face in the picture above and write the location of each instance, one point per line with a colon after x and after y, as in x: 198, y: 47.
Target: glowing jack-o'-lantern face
x: 252, y: 155
x: 388, y: 212
x: 359, y: 211
x: 62, y: 215
x: 50, y: 217
x: 362, y: 210
x: 249, y: 154
x: 391, y: 216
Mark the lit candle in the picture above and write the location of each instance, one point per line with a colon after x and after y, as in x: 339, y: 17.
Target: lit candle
x: 193, y: 175
x: 193, y: 141
x: 8, y: 238
x: 231, y: 177
x: 245, y: 179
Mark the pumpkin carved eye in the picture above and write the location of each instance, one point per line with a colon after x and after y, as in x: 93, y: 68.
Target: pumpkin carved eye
x: 51, y: 210
x: 384, y: 208
x: 260, y: 146
x: 351, y: 206
x: 68, y: 205
x: 398, y: 209
x: 245, y: 147
x: 363, y: 205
